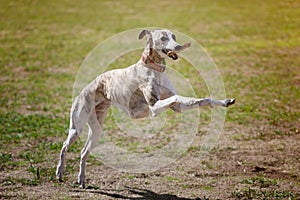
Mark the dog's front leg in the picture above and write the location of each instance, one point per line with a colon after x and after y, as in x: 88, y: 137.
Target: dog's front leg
x: 151, y: 92
x: 180, y: 103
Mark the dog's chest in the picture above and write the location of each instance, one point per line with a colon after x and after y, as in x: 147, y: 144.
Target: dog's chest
x: 123, y: 89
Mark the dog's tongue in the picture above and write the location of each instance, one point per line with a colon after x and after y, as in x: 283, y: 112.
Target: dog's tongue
x: 173, y: 55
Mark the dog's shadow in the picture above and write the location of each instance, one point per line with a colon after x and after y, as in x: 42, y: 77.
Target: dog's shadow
x: 143, y: 194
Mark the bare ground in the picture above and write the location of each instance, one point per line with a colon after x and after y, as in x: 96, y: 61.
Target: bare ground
x: 248, y: 163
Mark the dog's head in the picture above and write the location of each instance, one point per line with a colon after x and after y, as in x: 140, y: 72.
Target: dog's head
x: 163, y: 42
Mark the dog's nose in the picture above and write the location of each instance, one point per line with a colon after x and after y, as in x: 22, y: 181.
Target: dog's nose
x: 178, y: 47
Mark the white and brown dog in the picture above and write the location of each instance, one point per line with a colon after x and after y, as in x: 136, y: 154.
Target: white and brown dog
x: 140, y: 90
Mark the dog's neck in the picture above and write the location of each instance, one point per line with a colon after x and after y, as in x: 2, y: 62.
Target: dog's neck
x: 153, y: 60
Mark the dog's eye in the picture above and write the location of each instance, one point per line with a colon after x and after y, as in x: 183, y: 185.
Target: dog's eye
x: 163, y: 38
x: 174, y: 37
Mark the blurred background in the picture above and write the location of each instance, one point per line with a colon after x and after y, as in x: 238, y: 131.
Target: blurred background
x: 255, y: 45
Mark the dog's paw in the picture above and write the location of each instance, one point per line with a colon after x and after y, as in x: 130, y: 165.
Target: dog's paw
x: 59, y: 176
x: 229, y: 102
x: 59, y: 179
x: 81, y: 183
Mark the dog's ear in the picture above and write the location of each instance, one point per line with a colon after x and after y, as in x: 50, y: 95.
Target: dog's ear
x: 143, y: 33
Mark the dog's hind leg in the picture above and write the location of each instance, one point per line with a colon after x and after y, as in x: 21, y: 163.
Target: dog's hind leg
x: 95, y: 123
x: 78, y: 118
x: 72, y: 137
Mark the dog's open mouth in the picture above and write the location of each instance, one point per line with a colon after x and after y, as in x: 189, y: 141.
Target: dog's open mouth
x: 170, y: 53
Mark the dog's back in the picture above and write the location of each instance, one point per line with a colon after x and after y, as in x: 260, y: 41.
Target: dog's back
x: 122, y: 88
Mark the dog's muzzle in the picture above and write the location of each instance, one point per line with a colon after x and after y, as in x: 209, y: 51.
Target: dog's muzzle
x: 173, y: 53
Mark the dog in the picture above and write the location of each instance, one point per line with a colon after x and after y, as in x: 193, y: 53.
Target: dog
x: 140, y: 90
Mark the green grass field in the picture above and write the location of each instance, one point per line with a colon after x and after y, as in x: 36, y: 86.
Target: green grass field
x: 255, y: 45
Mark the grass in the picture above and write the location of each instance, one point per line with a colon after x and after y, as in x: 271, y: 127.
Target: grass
x: 249, y: 193
x: 260, y: 187
x: 172, y: 179
x: 255, y: 45
x: 261, y: 181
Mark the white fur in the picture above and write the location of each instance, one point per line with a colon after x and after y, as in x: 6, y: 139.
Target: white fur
x: 138, y: 90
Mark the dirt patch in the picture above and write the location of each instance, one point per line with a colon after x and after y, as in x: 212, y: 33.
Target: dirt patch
x: 227, y: 172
